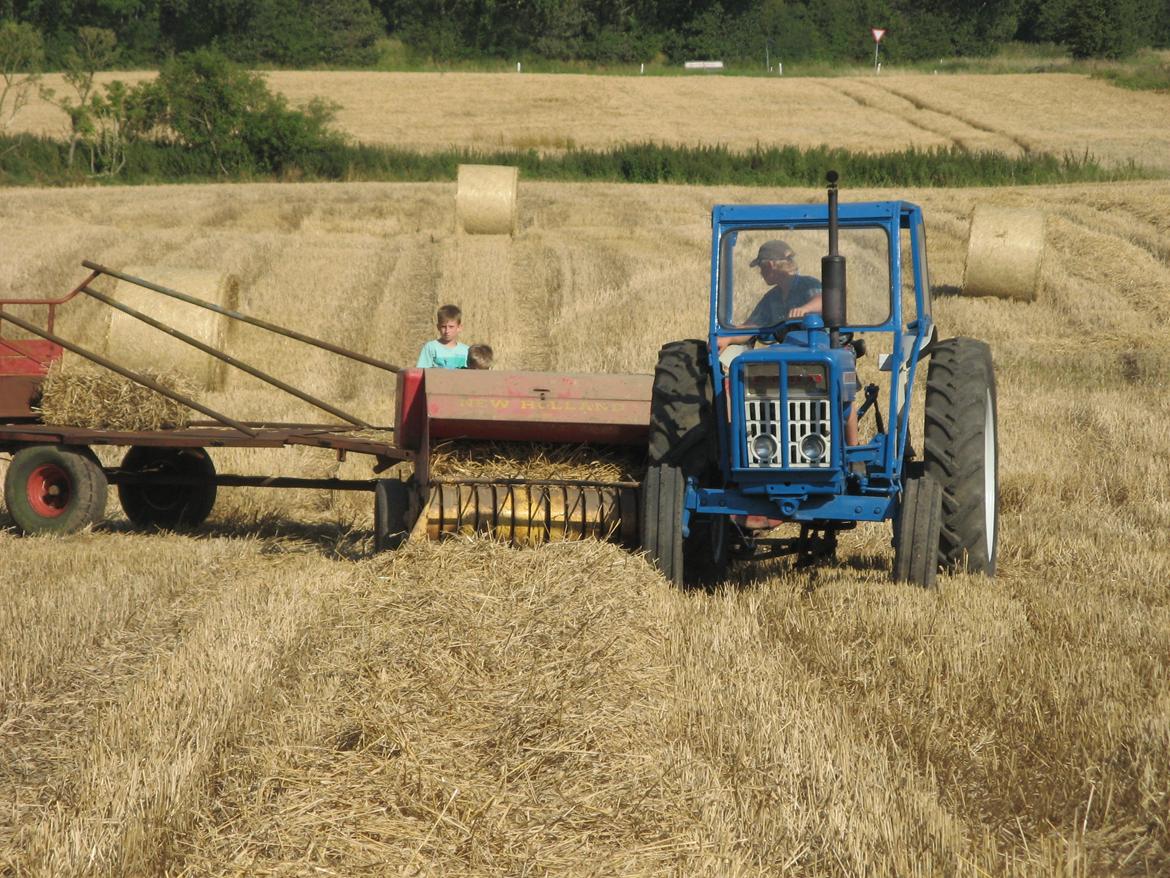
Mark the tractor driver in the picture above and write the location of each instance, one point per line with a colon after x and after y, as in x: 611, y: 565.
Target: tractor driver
x: 791, y: 295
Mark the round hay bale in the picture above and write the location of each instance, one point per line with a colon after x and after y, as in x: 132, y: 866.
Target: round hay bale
x: 1004, y: 251
x: 133, y: 344
x: 485, y: 199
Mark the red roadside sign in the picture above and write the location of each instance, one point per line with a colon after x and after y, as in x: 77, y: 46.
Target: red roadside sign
x: 878, y: 33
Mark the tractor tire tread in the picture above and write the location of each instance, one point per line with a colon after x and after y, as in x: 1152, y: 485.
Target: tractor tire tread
x: 960, y: 376
x: 682, y: 408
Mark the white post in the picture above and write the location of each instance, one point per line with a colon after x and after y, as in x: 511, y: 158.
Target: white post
x: 643, y: 70
x: 780, y: 68
x: 517, y: 66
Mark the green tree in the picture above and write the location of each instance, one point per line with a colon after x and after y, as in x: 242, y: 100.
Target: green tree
x: 93, y: 51
x: 227, y: 116
x: 1102, y: 28
x: 21, y: 56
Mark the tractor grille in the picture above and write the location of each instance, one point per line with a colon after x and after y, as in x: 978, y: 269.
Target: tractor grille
x: 805, y: 417
x: 808, y: 417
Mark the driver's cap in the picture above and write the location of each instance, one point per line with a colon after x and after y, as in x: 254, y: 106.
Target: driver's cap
x: 772, y: 251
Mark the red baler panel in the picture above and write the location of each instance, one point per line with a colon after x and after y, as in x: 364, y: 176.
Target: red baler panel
x: 538, y: 406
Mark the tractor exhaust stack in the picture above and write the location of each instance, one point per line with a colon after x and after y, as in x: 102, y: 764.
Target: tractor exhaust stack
x: 833, y: 273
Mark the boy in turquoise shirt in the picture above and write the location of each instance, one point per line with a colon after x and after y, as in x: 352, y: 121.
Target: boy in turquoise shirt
x: 445, y: 352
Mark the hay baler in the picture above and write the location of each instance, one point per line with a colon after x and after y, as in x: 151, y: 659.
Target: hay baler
x: 606, y: 415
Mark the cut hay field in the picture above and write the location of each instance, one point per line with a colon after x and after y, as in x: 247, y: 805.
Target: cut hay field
x: 266, y: 698
x: 1052, y: 113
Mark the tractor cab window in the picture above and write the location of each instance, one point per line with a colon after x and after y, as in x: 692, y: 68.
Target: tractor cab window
x: 766, y: 275
x: 912, y: 269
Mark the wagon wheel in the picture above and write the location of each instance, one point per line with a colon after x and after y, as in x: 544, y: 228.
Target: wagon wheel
x: 56, y: 489
x: 392, y: 514
x: 159, y: 503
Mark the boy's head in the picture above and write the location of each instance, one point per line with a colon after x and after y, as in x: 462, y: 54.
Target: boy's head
x: 449, y: 322
x: 479, y: 356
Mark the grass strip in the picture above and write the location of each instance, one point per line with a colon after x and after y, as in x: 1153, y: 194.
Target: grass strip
x: 40, y: 161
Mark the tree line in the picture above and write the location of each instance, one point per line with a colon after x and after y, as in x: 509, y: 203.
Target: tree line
x: 347, y: 33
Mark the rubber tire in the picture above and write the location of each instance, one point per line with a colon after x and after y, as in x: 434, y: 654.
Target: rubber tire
x: 392, y: 522
x: 707, y: 551
x: 86, y: 483
x: 699, y: 560
x: 917, y: 529
x: 961, y: 451
x: 663, y: 491
x: 168, y: 507
x: 682, y: 420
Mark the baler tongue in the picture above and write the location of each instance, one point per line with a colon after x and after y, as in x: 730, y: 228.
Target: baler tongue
x: 527, y: 457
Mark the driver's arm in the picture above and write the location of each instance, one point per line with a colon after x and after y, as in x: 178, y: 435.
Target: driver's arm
x: 812, y: 306
x: 725, y: 340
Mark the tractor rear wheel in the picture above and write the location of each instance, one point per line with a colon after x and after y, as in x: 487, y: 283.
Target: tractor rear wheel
x: 700, y: 559
x: 682, y: 419
x: 916, y: 531
x: 168, y: 506
x: 55, y: 489
x: 962, y: 452
x: 391, y: 514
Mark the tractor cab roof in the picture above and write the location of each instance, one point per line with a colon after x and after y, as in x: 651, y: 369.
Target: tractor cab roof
x: 795, y: 216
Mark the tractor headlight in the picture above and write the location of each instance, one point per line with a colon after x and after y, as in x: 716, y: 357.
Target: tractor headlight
x: 765, y: 448
x: 814, y: 448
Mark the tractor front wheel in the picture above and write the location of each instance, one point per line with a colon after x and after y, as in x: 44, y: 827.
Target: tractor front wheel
x: 962, y: 451
x: 154, y: 502
x: 663, y: 491
x: 916, y: 531
x: 55, y: 489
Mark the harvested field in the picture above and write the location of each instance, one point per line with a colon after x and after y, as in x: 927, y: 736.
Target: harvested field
x: 1058, y: 113
x: 266, y: 698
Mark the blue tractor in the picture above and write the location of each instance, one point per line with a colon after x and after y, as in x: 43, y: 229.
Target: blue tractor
x: 764, y: 427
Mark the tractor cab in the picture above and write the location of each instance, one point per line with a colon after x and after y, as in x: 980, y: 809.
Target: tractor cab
x: 785, y: 337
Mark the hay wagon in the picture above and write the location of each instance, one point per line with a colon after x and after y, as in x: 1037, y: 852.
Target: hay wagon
x: 167, y: 479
